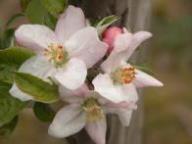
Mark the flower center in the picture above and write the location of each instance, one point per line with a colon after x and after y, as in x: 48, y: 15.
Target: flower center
x: 124, y: 75
x: 93, y: 110
x: 56, y: 54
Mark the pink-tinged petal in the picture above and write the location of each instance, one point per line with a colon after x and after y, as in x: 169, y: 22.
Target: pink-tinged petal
x: 35, y: 37
x: 110, y: 35
x: 97, y: 131
x: 69, y: 23
x: 116, y: 93
x: 124, y: 46
x: 118, y: 54
x: 73, y: 96
x: 68, y: 121
x: 85, y: 45
x: 125, y: 116
x: 17, y: 93
x: 72, y: 75
x: 143, y: 80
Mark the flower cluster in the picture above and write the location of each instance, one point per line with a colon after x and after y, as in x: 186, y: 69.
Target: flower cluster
x: 67, y: 54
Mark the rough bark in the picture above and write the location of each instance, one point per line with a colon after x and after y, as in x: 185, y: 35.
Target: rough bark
x: 135, y: 15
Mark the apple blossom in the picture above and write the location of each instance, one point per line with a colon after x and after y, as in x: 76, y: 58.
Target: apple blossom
x: 120, y: 79
x: 87, y: 109
x: 63, y: 55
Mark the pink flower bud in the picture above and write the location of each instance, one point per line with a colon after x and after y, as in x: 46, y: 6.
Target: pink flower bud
x: 109, y: 36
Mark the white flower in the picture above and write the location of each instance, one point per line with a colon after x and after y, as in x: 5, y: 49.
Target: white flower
x: 87, y: 109
x: 120, y: 79
x: 64, y: 54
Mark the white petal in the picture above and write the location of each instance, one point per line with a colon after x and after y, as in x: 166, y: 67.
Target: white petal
x: 70, y: 22
x: 73, y: 75
x: 97, y: 131
x: 122, y: 42
x: 125, y: 116
x: 143, y: 80
x: 68, y: 121
x: 131, y: 92
x: 85, y: 44
x: 17, y: 93
x: 73, y: 96
x: 38, y: 66
x: 35, y: 37
x: 104, y: 85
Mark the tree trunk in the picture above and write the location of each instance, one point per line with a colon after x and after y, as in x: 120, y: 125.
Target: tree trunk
x: 135, y: 15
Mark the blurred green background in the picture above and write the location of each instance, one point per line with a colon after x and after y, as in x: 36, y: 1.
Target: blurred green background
x: 168, y: 110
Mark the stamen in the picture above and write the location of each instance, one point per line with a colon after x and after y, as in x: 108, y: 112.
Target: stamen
x: 93, y: 110
x: 124, y: 75
x: 56, y: 54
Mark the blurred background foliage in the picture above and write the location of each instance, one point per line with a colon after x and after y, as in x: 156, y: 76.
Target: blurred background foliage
x: 168, y: 111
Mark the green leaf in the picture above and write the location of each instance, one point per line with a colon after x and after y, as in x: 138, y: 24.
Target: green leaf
x: 4, y: 87
x: 7, y: 73
x: 15, y: 56
x: 54, y: 7
x: 14, y: 18
x: 8, y: 128
x: 40, y: 90
x: 10, y: 60
x: 9, y: 106
x: 50, y: 21
x: 7, y: 38
x: 24, y: 4
x: 37, y: 14
x: 105, y: 22
x: 43, y: 112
